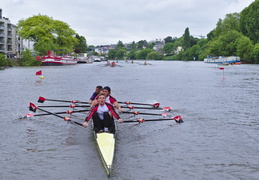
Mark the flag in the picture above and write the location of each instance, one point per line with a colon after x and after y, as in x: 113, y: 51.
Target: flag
x: 221, y: 68
x: 38, y: 73
x: 33, y: 107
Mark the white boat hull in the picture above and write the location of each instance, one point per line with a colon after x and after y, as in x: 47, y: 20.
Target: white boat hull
x: 222, y: 60
x: 106, y: 147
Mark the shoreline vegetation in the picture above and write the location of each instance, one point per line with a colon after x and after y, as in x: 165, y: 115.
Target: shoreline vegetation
x: 26, y: 60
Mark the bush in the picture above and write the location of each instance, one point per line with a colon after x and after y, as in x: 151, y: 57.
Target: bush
x: 3, y: 60
x: 28, y: 60
x: 154, y: 55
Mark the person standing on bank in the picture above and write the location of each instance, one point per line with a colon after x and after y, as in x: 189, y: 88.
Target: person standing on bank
x: 102, y: 114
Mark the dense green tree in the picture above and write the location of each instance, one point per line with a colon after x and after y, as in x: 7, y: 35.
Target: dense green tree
x: 186, y: 39
x: 112, y: 54
x: 154, y: 55
x: 169, y: 39
x: 256, y: 53
x: 81, y: 47
x: 249, y: 22
x: 194, y: 52
x: 244, y: 47
x: 203, y: 44
x: 132, y: 46
x: 44, y: 29
x: 42, y: 47
x: 225, y: 45
x: 119, y: 45
x: 169, y: 48
x: 3, y: 60
x: 131, y: 54
x: 151, y: 45
x: 143, y: 53
x: 142, y: 44
x: 230, y: 23
x: 120, y: 54
x: 27, y: 59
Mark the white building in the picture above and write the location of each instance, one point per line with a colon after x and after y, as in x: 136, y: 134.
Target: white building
x: 10, y: 43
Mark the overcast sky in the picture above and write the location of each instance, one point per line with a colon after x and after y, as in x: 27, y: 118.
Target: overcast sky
x: 104, y: 22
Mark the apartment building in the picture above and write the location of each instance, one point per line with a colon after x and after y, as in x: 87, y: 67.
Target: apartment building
x: 10, y: 44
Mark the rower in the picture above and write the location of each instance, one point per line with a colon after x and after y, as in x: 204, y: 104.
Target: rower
x: 102, y: 114
x: 96, y: 92
x: 109, y: 98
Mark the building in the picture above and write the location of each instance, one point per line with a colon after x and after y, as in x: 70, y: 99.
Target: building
x: 10, y: 44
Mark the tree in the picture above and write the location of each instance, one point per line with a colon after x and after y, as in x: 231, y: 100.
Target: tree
x: 43, y: 29
x: 3, y: 60
x: 143, y: 53
x: 168, y: 48
x: 244, y: 47
x: 256, y: 53
x: 225, y: 45
x: 249, y: 22
x: 43, y: 47
x: 81, y: 47
x: 132, y: 46
x: 142, y: 44
x: 120, y: 53
x: 230, y: 23
x: 131, y: 54
x: 112, y: 54
x: 186, y: 39
x: 27, y: 59
x: 154, y: 55
x: 169, y: 39
x: 194, y: 52
x: 119, y: 45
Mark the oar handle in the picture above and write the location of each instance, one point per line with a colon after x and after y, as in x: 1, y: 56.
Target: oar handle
x: 42, y: 99
x: 177, y: 119
x: 137, y: 113
x: 71, y: 106
x: 155, y: 105
x: 33, y: 107
x: 64, y: 112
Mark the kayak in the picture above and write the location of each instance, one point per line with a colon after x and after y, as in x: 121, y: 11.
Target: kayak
x: 106, y: 146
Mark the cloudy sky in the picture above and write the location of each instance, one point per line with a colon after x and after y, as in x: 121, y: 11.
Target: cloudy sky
x: 104, y: 22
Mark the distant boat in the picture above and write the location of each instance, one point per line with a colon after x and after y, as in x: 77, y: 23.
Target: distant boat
x: 222, y: 59
x: 97, y: 59
x: 82, y: 58
x: 52, y: 60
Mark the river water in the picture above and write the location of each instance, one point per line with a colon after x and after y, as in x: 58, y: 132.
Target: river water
x: 219, y: 138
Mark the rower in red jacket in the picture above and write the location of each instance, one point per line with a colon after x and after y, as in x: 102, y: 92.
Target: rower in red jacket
x: 102, y: 114
x: 109, y: 98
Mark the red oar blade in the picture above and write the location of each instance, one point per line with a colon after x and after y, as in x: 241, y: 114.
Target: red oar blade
x: 41, y: 99
x: 167, y: 109
x: 156, y: 105
x: 178, y: 119
x: 33, y: 107
x: 28, y: 115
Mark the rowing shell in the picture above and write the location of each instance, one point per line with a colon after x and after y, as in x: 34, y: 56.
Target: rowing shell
x: 106, y: 146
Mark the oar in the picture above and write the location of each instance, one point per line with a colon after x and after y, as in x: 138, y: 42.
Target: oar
x: 177, y: 119
x: 133, y: 107
x: 63, y: 112
x: 155, y: 105
x: 34, y: 108
x: 42, y: 99
x: 137, y: 113
x: 71, y: 106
